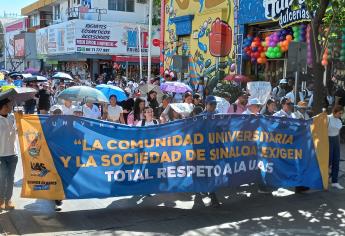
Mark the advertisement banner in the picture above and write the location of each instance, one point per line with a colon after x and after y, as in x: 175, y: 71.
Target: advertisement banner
x: 67, y: 157
x: 61, y: 38
x: 96, y: 37
x: 42, y: 41
x: 19, y: 47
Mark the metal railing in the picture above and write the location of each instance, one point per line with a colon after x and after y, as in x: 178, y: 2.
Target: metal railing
x: 75, y: 12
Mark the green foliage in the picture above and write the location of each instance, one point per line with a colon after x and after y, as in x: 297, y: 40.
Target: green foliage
x: 226, y: 89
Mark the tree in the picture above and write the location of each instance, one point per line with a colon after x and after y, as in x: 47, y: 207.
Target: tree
x: 327, y: 16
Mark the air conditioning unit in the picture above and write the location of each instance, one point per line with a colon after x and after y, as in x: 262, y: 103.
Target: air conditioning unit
x: 142, y: 1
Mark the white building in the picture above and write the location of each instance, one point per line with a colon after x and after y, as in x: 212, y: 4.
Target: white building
x: 91, y: 36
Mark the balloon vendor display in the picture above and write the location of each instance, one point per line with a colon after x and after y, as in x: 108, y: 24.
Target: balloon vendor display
x: 274, y: 45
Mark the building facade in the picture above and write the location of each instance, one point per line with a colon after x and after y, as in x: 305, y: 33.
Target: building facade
x: 91, y: 37
x: 202, y: 32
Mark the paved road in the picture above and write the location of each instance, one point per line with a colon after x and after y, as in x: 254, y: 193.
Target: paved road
x: 244, y: 212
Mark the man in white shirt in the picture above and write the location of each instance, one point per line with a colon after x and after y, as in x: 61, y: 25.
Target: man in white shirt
x: 286, y: 108
x: 67, y: 107
x: 8, y: 154
x: 253, y: 107
x: 334, y: 127
x: 91, y: 111
x: 291, y: 95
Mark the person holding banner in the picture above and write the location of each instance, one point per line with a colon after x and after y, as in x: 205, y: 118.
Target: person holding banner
x: 270, y: 108
x: 8, y: 154
x: 286, y: 108
x: 138, y: 112
x: 240, y: 105
x: 253, y: 107
x: 334, y: 126
x: 114, y: 112
x: 211, y: 105
x: 148, y: 118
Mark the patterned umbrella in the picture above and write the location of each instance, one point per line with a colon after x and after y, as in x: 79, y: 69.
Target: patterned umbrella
x: 19, y: 95
x: 175, y: 87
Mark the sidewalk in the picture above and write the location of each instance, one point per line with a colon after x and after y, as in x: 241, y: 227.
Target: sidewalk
x: 244, y: 212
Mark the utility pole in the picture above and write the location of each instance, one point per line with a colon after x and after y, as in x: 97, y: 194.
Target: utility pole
x: 150, y: 42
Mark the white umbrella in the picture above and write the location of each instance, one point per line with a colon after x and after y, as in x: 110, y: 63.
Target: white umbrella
x: 62, y: 76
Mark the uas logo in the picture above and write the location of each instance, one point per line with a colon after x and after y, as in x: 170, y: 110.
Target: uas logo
x: 34, y: 142
x: 38, y: 169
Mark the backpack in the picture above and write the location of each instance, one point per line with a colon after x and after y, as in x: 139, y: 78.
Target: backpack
x: 144, y: 121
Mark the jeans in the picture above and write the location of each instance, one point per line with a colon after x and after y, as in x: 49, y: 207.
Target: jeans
x: 7, y: 168
x: 29, y: 109
x: 334, y: 157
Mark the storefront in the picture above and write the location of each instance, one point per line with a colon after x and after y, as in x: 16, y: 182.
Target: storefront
x: 89, y: 47
x: 267, y: 29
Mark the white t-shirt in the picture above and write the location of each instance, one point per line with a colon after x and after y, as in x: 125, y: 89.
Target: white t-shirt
x: 92, y: 113
x: 334, y: 126
x: 114, y: 112
x: 67, y: 110
x: 7, y: 136
x: 147, y: 123
x: 291, y: 96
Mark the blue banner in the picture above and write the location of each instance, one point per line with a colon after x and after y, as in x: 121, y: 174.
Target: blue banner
x: 73, y: 158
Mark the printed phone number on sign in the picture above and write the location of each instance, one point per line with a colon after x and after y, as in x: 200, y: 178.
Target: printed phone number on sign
x: 84, y: 49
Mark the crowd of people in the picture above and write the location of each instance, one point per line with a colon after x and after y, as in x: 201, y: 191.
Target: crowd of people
x: 150, y: 109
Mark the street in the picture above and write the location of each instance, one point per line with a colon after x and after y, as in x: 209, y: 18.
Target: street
x: 243, y: 212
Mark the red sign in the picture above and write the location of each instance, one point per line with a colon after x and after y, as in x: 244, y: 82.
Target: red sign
x: 156, y: 42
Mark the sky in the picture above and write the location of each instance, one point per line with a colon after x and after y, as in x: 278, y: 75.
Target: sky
x: 13, y: 6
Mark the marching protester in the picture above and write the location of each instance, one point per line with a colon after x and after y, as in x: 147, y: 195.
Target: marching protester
x: 239, y: 106
x: 253, y: 107
x: 334, y: 126
x: 197, y: 101
x: 138, y: 112
x: 188, y: 98
x: 57, y: 110
x: 152, y: 102
x: 211, y: 105
x: 171, y: 113
x: 44, y: 96
x: 307, y: 94
x: 148, y: 118
x: 114, y: 112
x: 92, y: 111
x: 286, y: 109
x: 8, y: 154
x: 67, y: 107
x: 291, y: 95
x: 30, y: 105
x: 280, y: 91
x: 301, y: 112
x: 270, y: 107
x: 166, y: 100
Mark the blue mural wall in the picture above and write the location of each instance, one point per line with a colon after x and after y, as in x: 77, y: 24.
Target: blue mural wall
x: 251, y: 11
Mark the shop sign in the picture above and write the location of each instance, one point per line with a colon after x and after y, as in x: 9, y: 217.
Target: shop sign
x: 286, y: 12
x: 133, y: 41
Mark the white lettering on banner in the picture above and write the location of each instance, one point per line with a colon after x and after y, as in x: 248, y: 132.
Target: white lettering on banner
x: 189, y: 171
x: 282, y: 10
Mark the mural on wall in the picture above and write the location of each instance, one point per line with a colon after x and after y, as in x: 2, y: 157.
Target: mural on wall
x: 209, y: 45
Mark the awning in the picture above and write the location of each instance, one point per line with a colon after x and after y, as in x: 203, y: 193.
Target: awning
x: 134, y: 59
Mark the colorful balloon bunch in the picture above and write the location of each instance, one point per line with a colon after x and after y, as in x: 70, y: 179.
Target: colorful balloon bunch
x: 254, y: 50
x: 278, y: 43
x: 342, y: 51
x: 299, y: 33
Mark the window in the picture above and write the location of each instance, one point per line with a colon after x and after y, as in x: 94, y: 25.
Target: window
x: 121, y: 5
x: 34, y: 20
x: 57, y: 12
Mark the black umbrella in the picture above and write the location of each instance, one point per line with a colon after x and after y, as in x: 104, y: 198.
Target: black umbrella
x: 35, y: 78
x: 19, y: 95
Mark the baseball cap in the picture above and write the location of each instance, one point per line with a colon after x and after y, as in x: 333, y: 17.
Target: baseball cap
x: 211, y: 100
